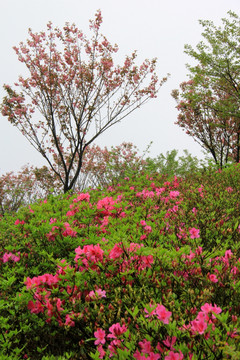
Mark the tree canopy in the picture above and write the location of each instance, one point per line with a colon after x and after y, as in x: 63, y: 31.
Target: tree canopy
x: 209, y: 102
x: 74, y: 93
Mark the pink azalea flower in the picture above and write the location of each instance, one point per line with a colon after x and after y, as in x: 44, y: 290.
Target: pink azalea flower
x: 100, y: 336
x: 69, y: 321
x: 199, y: 250
x: 93, y: 253
x: 228, y: 254
x: 101, y: 352
x: 213, y: 278
x: 69, y: 231
x: 6, y: 257
x: 206, y: 308
x: 173, y: 194
x: 19, y: 222
x: 194, y: 233
x: 146, y: 261
x: 10, y: 256
x: 174, y: 356
x: 159, y: 191
x: 135, y: 246
x: 137, y: 355
x: 70, y: 213
x: 82, y: 197
x: 145, y: 346
x: 30, y: 209
x: 116, y: 330
x: 153, y: 356
x: 49, y: 309
x: 58, y: 305
x: 36, y: 307
x: 163, y: 314
x: 169, y: 342
x: 112, y: 349
x: 92, y: 295
x: 194, y: 210
x: 106, y: 203
x: 101, y: 293
x: 116, y: 252
x: 51, y: 221
x: 199, y: 325
x: 148, y: 228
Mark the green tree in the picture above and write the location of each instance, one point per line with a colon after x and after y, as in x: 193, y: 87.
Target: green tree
x: 209, y: 103
x: 172, y: 165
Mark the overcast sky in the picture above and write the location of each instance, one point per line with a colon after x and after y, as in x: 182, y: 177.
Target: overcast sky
x: 155, y: 28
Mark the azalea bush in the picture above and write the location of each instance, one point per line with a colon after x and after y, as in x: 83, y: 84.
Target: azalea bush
x: 147, y: 268
x: 100, y: 167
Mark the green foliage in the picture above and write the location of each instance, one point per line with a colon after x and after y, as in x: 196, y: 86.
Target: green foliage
x: 145, y: 256
x: 172, y: 164
x: 208, y: 103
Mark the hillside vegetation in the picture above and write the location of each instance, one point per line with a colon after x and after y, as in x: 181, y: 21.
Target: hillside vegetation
x: 148, y: 268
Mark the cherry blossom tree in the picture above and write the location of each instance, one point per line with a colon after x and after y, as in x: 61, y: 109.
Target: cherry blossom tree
x: 103, y: 166
x: 209, y: 103
x: 216, y: 133
x: 25, y: 187
x: 74, y: 93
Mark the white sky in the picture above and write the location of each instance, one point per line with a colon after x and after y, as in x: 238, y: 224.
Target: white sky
x: 155, y: 28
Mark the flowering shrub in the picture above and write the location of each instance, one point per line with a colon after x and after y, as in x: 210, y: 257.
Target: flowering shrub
x: 25, y: 187
x: 148, y: 268
x: 101, y: 167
